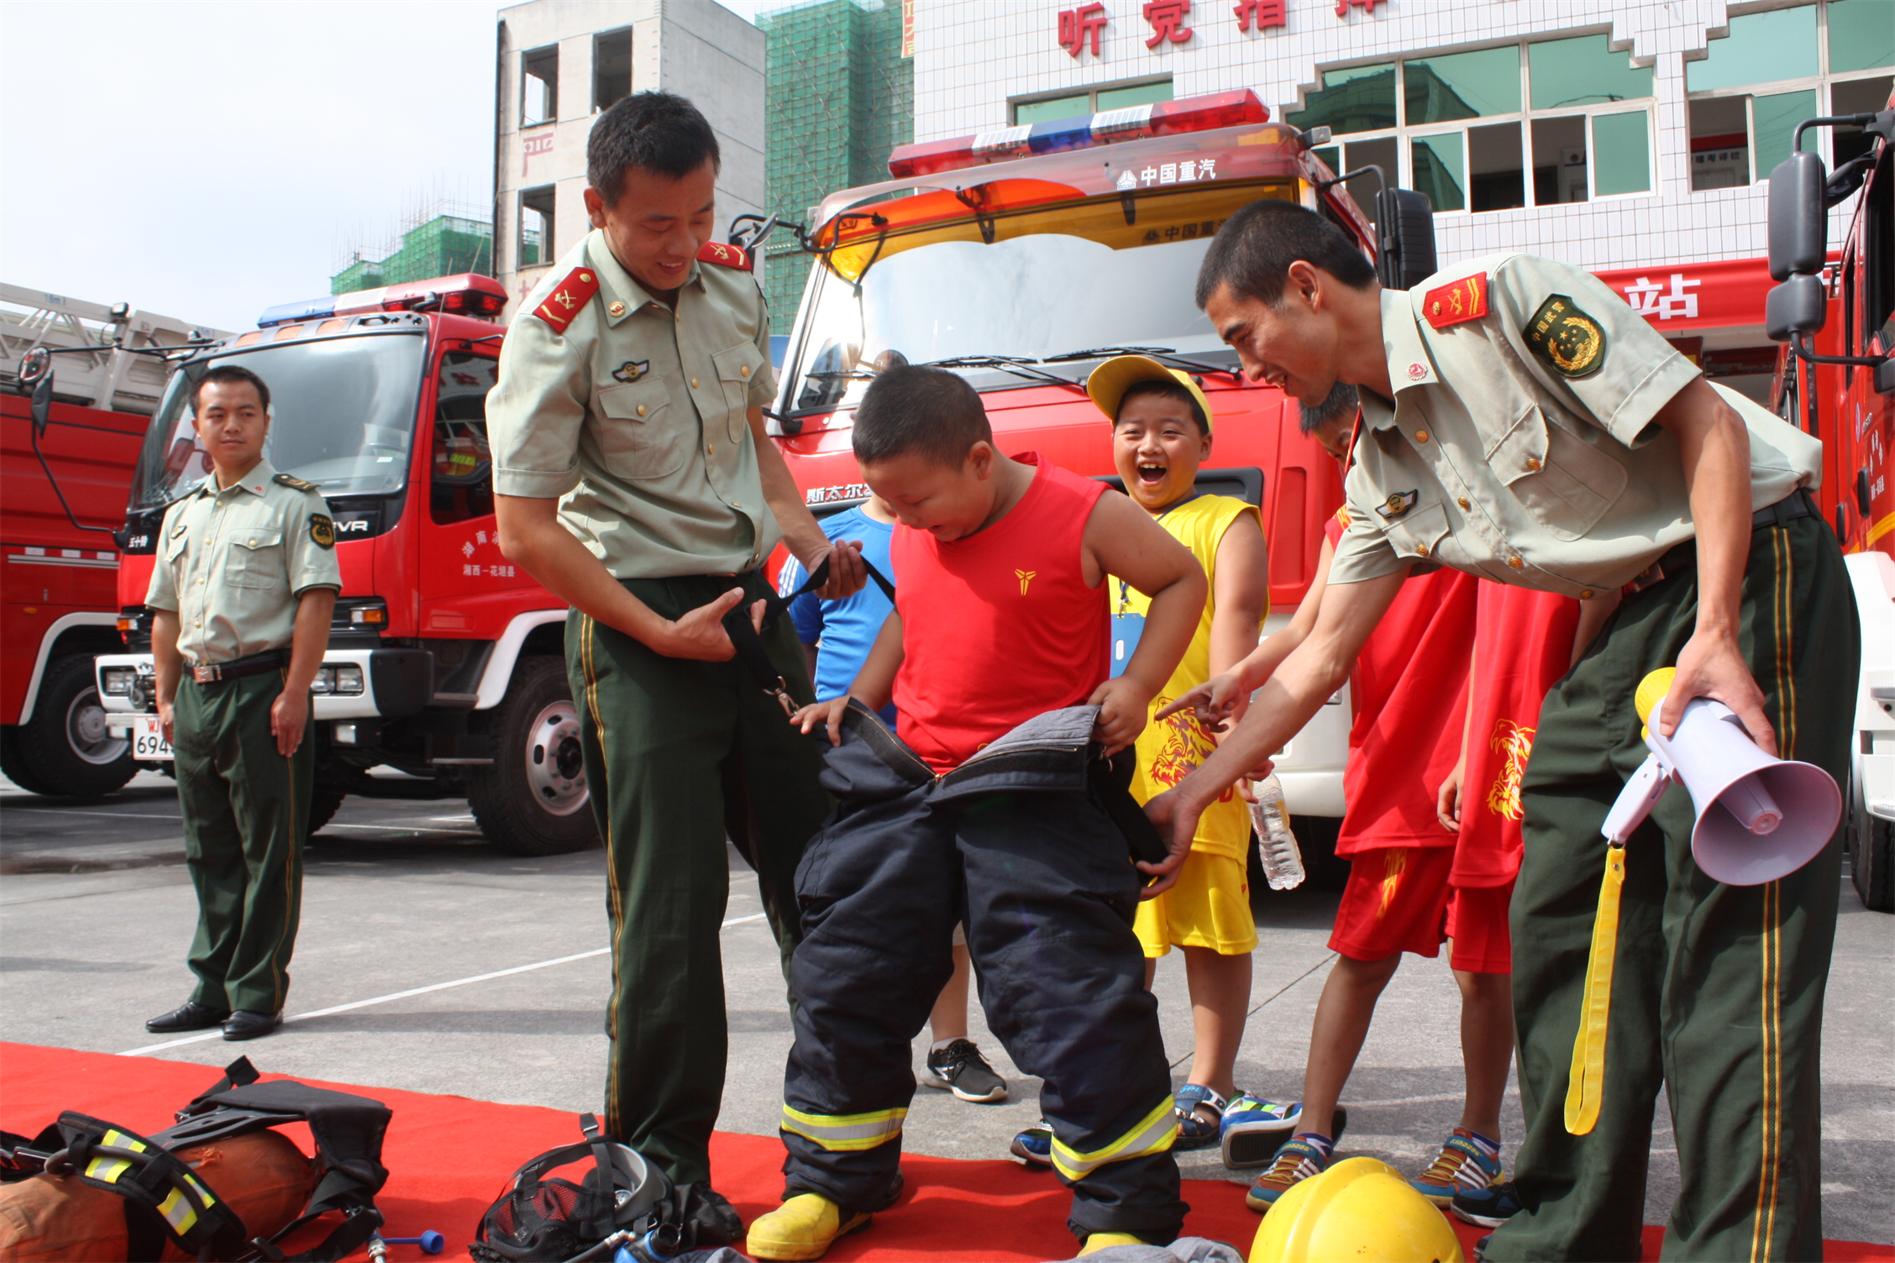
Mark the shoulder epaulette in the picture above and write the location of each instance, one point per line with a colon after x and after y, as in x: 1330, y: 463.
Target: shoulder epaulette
x: 568, y: 298
x: 1456, y: 302
x: 724, y: 254
x: 291, y: 480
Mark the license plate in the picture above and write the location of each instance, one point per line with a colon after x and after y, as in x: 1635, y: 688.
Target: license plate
x: 148, y: 740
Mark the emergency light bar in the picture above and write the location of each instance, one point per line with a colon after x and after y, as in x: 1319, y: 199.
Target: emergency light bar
x: 467, y: 294
x: 1133, y: 122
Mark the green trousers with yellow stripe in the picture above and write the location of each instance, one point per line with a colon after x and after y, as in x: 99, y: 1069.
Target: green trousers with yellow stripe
x: 1717, y: 991
x: 246, y: 818
x: 680, y: 756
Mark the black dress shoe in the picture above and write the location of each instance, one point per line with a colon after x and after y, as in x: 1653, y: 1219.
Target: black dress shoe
x: 714, y: 1219
x: 189, y: 1016
x: 249, y: 1024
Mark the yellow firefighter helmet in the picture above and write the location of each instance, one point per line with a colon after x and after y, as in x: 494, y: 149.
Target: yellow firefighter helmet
x: 1359, y: 1209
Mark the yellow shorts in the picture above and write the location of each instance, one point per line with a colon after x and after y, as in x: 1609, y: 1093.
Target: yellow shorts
x: 1208, y: 907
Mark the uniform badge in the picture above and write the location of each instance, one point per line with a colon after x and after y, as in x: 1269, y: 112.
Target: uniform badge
x: 322, y: 531
x: 616, y: 309
x: 1569, y: 341
x: 568, y: 298
x: 631, y: 370
x: 1398, y: 503
x: 724, y: 254
x: 291, y: 480
x: 1456, y: 302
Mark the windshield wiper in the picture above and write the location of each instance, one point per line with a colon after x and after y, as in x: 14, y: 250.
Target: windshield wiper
x: 1163, y: 354
x: 1019, y: 365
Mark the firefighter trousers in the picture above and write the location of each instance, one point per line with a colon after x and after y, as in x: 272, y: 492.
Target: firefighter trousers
x: 1024, y: 855
x: 680, y: 756
x: 1717, y: 991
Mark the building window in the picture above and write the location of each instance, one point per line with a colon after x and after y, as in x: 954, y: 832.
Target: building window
x: 1493, y: 129
x: 1111, y: 96
x: 1752, y: 87
x: 539, y: 86
x: 536, y: 226
x: 611, y: 68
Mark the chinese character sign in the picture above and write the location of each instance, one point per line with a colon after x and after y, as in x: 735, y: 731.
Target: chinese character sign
x: 1079, y: 25
x: 1656, y: 301
x: 1343, y: 6
x: 1167, y: 21
x: 1260, y: 14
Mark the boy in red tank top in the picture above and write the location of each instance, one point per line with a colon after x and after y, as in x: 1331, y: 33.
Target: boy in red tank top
x: 1000, y: 620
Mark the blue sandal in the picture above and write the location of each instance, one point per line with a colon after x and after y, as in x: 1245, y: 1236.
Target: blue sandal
x: 1194, y: 1131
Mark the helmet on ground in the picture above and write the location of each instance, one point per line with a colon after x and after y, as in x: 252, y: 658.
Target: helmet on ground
x: 1359, y: 1209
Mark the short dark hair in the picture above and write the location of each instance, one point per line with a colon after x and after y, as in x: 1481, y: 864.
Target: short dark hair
x: 927, y: 411
x: 1165, y: 390
x: 658, y: 131
x: 1341, y: 401
x: 1253, y: 251
x: 229, y: 375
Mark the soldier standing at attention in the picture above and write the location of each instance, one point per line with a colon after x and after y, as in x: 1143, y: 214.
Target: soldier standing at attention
x: 1522, y: 424
x: 634, y: 479
x: 241, y: 597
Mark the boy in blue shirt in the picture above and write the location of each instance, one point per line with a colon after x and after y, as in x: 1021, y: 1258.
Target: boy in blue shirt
x: 838, y: 635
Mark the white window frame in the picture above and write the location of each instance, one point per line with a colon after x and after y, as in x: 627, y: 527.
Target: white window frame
x: 1089, y: 91
x: 519, y: 227
x: 526, y: 55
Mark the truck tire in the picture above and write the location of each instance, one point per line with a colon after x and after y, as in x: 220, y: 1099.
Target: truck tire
x: 65, y: 749
x: 533, y: 800
x: 13, y: 764
x: 324, y: 798
x: 1872, y: 861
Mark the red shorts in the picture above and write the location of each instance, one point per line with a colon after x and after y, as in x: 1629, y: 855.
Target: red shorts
x: 1398, y: 900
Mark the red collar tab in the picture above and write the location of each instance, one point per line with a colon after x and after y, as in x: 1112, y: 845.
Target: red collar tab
x: 1456, y: 302
x: 724, y: 254
x: 568, y: 298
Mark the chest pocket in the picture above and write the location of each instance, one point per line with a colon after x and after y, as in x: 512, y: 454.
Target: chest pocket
x: 737, y: 367
x: 1563, y: 481
x: 640, y: 436
x: 1417, y: 534
x: 256, y: 559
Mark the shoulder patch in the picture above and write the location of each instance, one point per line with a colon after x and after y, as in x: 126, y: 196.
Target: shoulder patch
x: 724, y: 254
x: 322, y: 530
x: 1456, y: 302
x: 568, y: 298
x: 291, y: 480
x: 1569, y: 341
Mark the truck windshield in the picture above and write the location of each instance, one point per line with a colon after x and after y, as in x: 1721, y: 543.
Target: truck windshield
x: 1052, y: 282
x: 342, y: 416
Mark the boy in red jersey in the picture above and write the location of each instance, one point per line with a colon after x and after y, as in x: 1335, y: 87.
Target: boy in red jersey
x: 1000, y: 624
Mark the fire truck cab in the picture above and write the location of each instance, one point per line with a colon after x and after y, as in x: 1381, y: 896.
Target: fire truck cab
x: 1837, y: 379
x: 1022, y: 258
x: 445, y: 660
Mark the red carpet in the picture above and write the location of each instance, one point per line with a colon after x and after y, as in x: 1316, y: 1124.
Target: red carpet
x: 449, y: 1156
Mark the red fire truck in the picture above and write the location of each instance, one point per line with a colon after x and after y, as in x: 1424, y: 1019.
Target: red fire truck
x: 444, y: 660
x: 1838, y: 380
x: 58, y: 598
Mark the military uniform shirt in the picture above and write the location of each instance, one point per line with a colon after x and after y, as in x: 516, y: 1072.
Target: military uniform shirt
x: 232, y: 563
x: 1521, y: 445
x: 636, y: 417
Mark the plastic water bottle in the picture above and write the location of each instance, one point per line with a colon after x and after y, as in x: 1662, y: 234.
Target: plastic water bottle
x: 1282, y: 858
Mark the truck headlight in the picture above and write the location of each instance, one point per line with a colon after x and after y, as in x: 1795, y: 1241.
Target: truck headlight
x: 117, y: 681
x: 340, y: 680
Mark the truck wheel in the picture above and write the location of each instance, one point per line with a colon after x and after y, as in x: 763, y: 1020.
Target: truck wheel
x: 533, y: 801
x: 66, y: 749
x: 324, y: 798
x: 1872, y: 861
x: 13, y: 763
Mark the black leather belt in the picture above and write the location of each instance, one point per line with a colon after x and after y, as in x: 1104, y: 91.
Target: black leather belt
x: 1684, y: 557
x: 237, y: 668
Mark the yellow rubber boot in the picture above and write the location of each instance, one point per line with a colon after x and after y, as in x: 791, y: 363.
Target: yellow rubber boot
x: 804, y: 1227
x: 1098, y: 1241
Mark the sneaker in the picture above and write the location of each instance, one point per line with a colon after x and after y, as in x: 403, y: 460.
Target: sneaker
x: 1034, y: 1146
x: 1466, y: 1162
x: 961, y: 1069
x: 1298, y: 1159
x: 1256, y: 1127
x: 1488, y: 1207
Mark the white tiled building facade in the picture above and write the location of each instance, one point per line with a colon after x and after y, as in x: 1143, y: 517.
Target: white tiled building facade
x: 561, y: 62
x: 1698, y: 85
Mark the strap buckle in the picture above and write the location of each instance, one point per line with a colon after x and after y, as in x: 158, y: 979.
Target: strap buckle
x: 781, y: 692
x: 209, y: 673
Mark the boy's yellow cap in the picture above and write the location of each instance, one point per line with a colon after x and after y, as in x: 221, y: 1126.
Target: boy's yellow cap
x: 1112, y: 379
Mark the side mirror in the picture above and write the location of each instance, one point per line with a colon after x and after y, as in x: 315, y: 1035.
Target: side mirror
x: 1405, y: 222
x: 36, y: 374
x: 1797, y: 232
x: 1797, y: 306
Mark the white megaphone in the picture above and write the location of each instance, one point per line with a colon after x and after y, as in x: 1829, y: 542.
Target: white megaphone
x: 1759, y: 818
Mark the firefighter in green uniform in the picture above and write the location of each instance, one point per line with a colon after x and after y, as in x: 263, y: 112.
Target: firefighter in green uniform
x: 241, y: 597
x: 633, y: 478
x: 1521, y: 423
